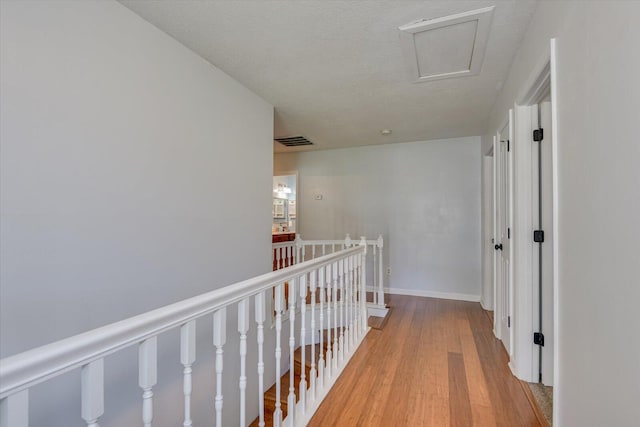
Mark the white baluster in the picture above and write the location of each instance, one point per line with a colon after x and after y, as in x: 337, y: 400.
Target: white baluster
x: 148, y: 376
x: 277, y: 413
x: 260, y: 317
x: 380, y: 276
x: 313, y: 251
x: 278, y: 255
x: 324, y: 249
x: 347, y: 241
x: 303, y: 331
x: 363, y: 286
x: 291, y: 398
x: 187, y: 357
x: 329, y: 353
x: 321, y: 273
x: 336, y: 350
x: 243, y: 327
x: 312, y: 372
x: 304, y: 254
x: 219, y: 339
x: 14, y: 410
x: 92, y: 392
x: 333, y: 247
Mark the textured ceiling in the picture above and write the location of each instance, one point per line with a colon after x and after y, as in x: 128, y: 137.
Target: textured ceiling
x: 334, y: 70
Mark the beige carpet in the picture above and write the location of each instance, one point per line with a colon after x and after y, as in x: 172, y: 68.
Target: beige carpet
x: 544, y: 397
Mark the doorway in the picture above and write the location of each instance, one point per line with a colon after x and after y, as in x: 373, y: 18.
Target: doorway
x: 535, y: 231
x: 285, y: 208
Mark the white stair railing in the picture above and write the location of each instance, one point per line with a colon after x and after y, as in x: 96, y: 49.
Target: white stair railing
x: 289, y: 253
x: 87, y: 351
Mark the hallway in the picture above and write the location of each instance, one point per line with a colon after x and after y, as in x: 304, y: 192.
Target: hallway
x: 434, y: 363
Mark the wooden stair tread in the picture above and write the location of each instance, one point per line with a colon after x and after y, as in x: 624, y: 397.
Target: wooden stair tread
x: 270, y: 394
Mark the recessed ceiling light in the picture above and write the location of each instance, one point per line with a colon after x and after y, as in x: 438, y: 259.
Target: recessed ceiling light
x: 386, y: 131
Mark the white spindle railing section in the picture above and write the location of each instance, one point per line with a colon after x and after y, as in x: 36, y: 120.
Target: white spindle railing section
x: 289, y: 253
x: 335, y: 285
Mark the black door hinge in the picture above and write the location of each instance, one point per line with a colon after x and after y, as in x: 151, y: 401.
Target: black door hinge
x: 508, y: 146
x: 508, y: 233
x: 538, y: 338
x: 508, y: 321
x: 538, y: 236
x: 538, y: 135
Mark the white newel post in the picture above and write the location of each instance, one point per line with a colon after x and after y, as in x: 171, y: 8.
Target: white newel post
x: 92, y: 389
x: 187, y: 357
x: 321, y: 273
x: 336, y: 349
x: 358, y: 296
x: 243, y: 327
x: 299, y: 249
x: 363, y: 286
x: 347, y: 332
x: 279, y: 302
x: 312, y: 372
x: 219, y: 339
x: 374, y: 275
x: 291, y: 398
x: 148, y: 376
x: 352, y: 300
x: 14, y: 410
x: 341, y: 278
x: 260, y: 317
x: 380, y: 299
x: 303, y: 331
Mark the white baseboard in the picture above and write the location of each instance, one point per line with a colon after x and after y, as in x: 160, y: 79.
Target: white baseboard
x: 486, y: 307
x: 430, y: 294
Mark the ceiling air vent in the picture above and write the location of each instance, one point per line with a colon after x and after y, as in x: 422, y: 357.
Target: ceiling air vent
x: 294, y: 141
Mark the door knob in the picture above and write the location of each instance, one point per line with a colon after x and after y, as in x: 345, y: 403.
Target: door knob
x: 498, y: 246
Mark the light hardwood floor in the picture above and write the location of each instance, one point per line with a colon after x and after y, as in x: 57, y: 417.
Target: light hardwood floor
x: 434, y: 363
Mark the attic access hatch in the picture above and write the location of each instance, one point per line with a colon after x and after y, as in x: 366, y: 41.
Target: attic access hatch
x: 447, y: 47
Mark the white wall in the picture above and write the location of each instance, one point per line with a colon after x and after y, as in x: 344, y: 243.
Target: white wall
x: 423, y: 197
x: 599, y: 202
x: 116, y: 145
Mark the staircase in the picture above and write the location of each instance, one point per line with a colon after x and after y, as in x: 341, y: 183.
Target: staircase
x: 270, y: 395
x: 338, y: 282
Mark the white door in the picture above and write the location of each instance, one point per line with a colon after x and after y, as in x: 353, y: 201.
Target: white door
x: 503, y: 236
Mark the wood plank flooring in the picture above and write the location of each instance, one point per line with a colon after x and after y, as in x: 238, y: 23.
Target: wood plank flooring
x: 434, y: 363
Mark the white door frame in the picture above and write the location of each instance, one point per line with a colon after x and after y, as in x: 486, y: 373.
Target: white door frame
x: 542, y: 81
